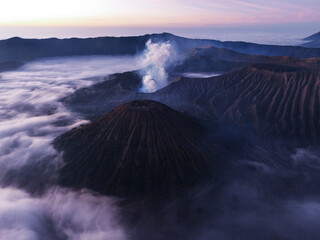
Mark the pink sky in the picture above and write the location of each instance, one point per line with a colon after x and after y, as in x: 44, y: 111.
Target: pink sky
x: 168, y: 13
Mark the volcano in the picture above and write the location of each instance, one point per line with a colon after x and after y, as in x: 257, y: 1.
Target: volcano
x: 141, y: 147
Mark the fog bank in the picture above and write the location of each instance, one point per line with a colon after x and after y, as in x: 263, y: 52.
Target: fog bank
x: 31, y: 116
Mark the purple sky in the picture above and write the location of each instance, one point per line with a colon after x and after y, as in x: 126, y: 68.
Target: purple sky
x: 191, y: 18
x: 157, y: 13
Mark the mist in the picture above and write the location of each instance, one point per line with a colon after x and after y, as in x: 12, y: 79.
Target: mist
x: 199, y: 75
x: 59, y: 214
x: 31, y: 117
x: 266, y: 194
x: 272, y: 197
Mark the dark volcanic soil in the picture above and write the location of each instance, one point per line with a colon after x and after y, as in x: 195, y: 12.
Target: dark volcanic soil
x: 272, y: 100
x: 141, y: 147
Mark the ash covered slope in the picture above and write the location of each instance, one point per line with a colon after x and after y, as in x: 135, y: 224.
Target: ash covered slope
x: 271, y: 99
x: 141, y: 147
x: 101, y: 98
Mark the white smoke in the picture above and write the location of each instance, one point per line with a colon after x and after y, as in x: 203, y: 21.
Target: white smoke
x: 154, y: 61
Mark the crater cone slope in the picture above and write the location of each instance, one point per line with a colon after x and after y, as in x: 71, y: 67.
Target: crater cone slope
x: 141, y: 147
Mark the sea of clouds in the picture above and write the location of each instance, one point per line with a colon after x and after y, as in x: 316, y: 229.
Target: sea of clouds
x: 31, y: 116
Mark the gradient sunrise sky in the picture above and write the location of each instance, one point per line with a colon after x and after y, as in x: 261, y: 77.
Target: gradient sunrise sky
x: 85, y: 18
x: 157, y: 12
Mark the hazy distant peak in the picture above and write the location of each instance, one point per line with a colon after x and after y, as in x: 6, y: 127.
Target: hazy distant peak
x: 313, y: 37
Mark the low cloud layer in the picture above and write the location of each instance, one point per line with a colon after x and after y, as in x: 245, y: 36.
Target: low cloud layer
x: 59, y: 214
x: 199, y: 75
x: 256, y: 198
x: 31, y: 116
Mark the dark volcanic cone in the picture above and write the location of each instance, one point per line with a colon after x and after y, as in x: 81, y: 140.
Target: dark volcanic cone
x: 141, y: 147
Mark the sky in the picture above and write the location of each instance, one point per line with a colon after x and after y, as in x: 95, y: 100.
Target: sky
x: 21, y: 16
x: 156, y: 12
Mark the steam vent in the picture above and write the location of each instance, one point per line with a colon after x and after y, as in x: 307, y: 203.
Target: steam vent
x: 139, y: 148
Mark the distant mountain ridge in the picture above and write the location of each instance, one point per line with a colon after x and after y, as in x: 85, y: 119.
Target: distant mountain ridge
x: 23, y: 50
x: 313, y: 41
x: 313, y: 37
x: 212, y: 59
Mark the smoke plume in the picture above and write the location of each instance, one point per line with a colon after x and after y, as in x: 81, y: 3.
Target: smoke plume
x: 155, y: 60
